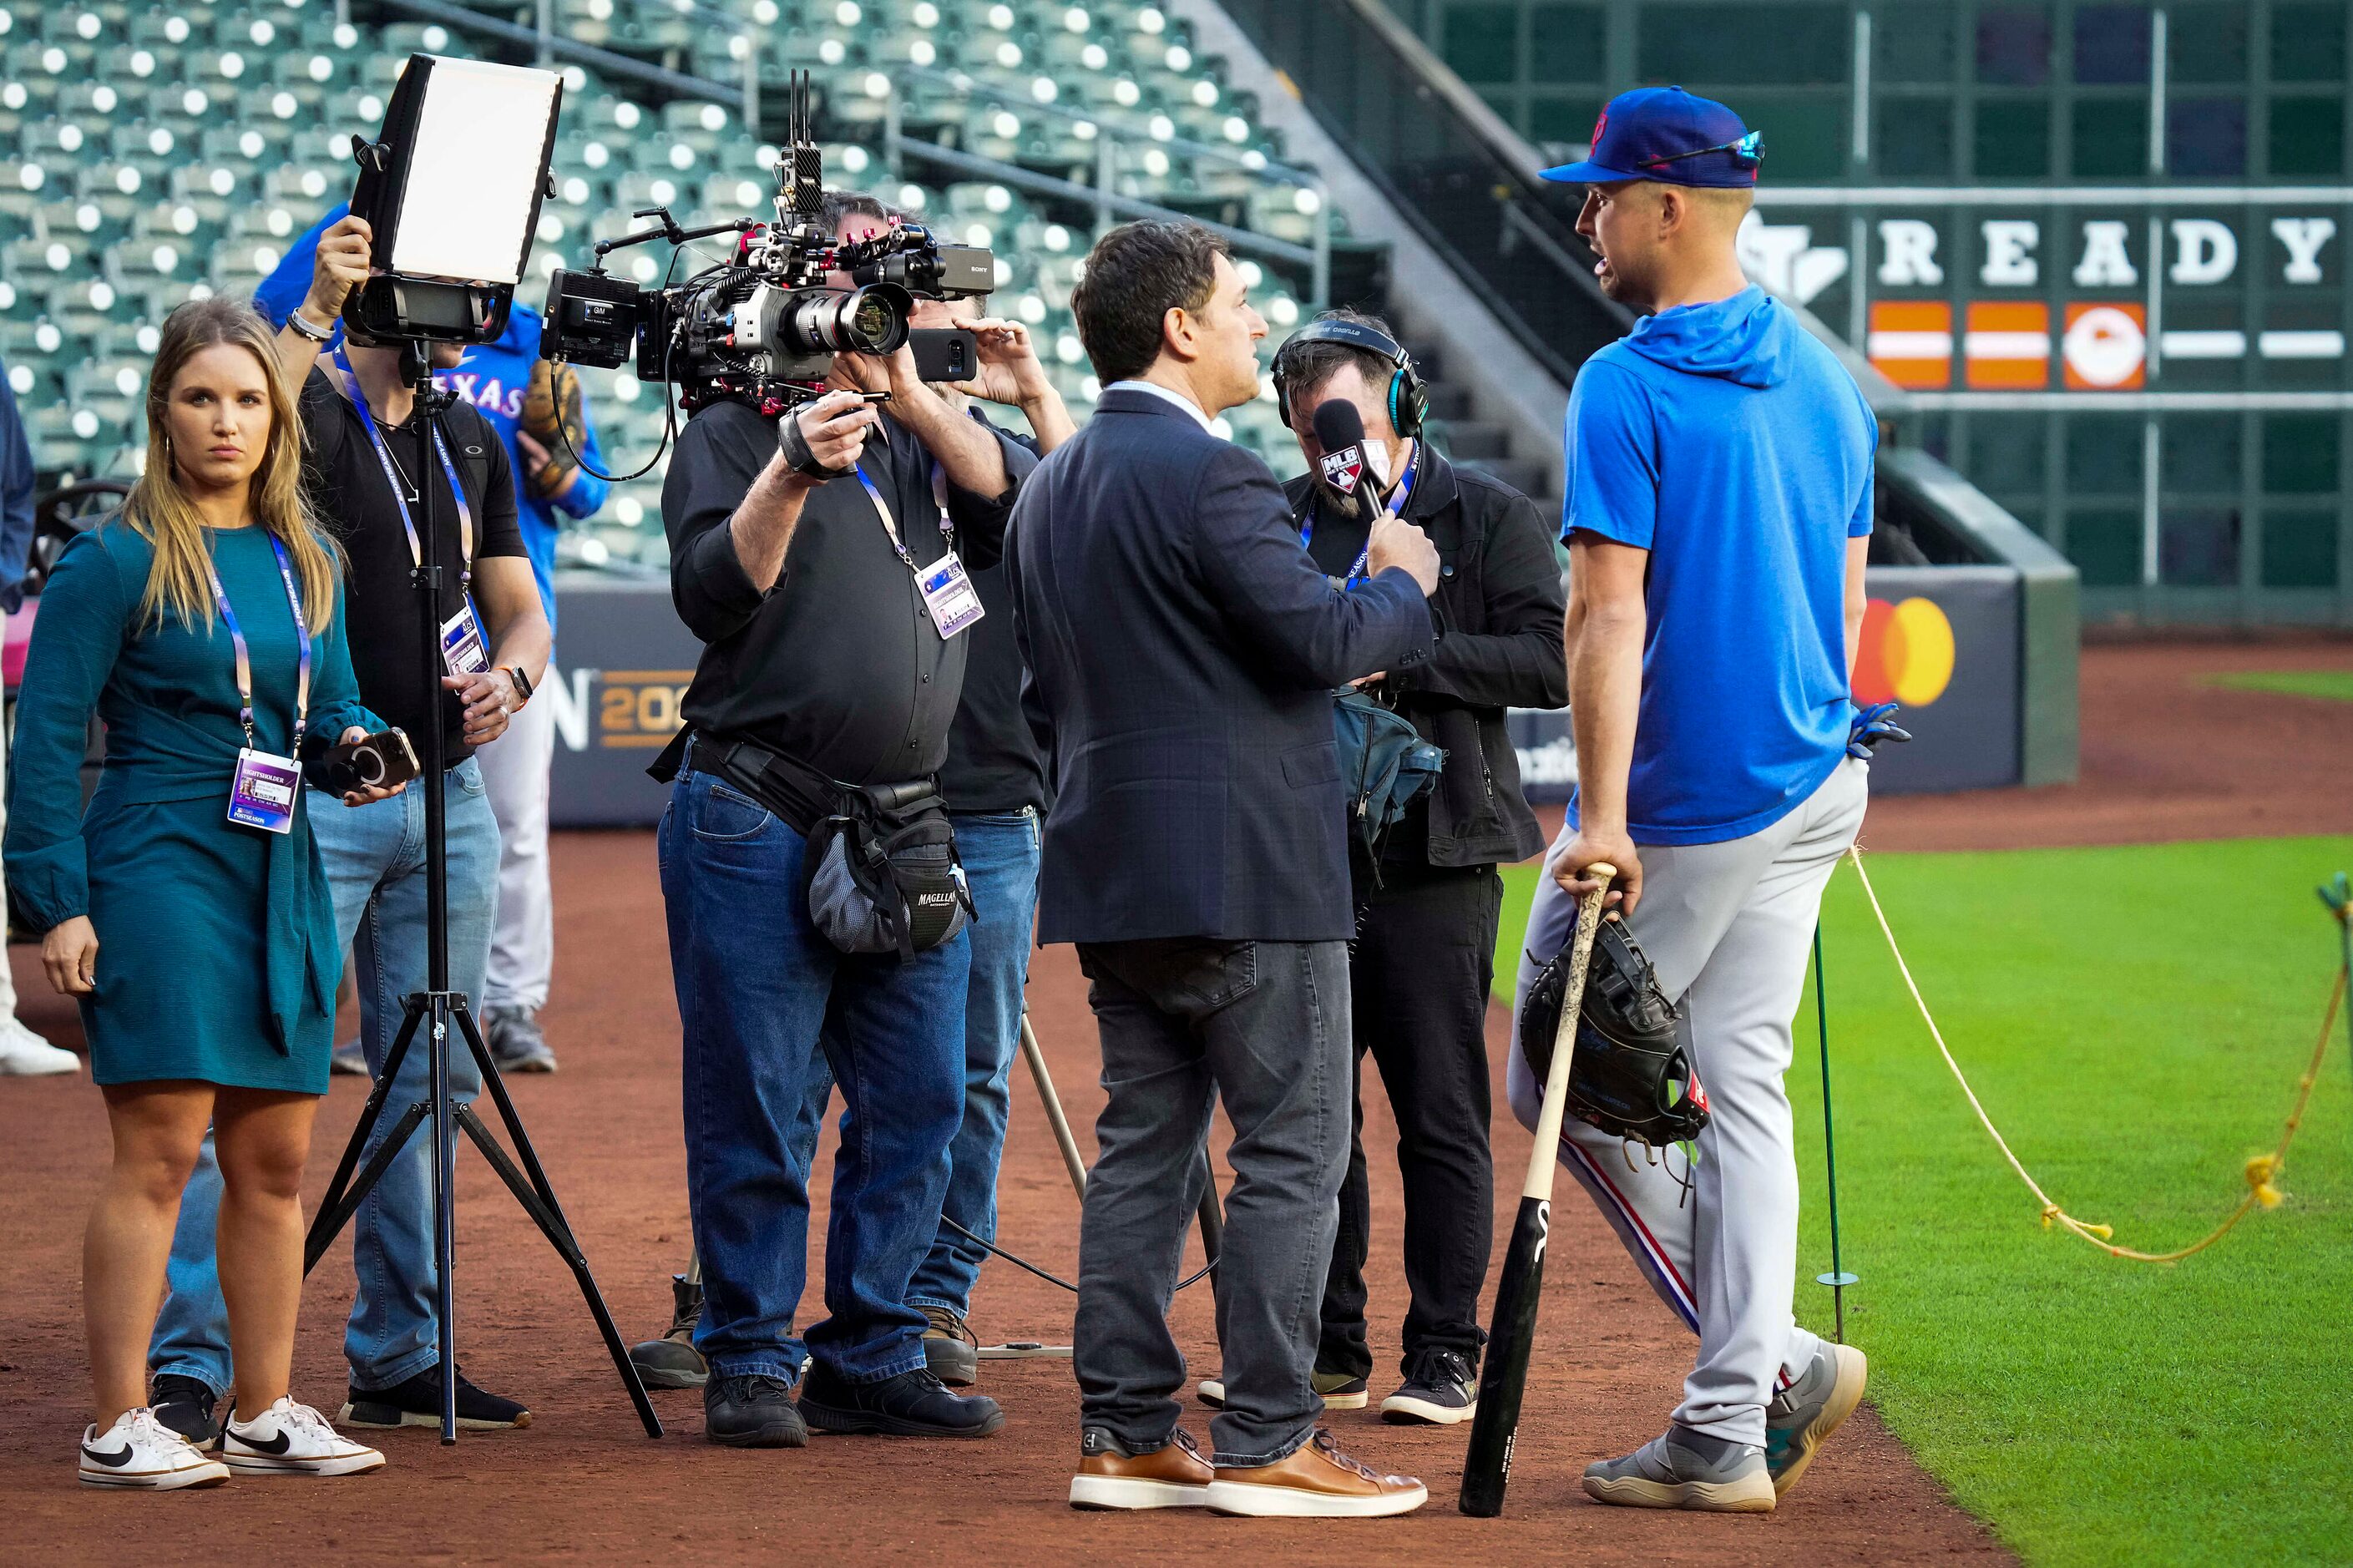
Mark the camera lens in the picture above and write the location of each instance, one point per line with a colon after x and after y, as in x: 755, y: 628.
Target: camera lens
x: 865, y: 320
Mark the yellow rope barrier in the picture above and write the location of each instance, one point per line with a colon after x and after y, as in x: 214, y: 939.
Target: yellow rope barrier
x: 2262, y: 1172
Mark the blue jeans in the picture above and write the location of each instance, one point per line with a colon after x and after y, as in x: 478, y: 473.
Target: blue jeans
x: 999, y: 851
x: 758, y: 989
x: 374, y: 860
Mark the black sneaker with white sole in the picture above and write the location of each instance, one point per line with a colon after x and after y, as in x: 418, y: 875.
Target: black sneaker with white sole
x: 1441, y: 1389
x: 184, y: 1405
x: 1337, y: 1390
x: 417, y: 1403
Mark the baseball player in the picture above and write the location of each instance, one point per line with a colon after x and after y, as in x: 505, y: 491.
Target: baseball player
x: 1719, y: 506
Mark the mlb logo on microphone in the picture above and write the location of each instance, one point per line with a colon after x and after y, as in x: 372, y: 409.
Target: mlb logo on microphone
x: 1344, y: 467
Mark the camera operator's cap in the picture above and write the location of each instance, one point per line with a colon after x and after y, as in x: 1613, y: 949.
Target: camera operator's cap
x: 1670, y: 136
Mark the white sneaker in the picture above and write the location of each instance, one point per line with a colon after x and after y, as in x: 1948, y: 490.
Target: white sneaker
x: 24, y: 1054
x: 140, y: 1453
x: 291, y: 1439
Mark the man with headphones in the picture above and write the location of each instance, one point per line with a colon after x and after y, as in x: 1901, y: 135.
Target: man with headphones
x: 1428, y: 897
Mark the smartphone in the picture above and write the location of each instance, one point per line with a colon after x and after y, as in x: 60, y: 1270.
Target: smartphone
x: 945, y: 353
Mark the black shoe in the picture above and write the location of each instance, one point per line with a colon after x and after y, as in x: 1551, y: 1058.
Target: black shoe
x: 1441, y: 1389
x: 911, y: 1405
x: 514, y: 1038
x: 417, y: 1403
x: 752, y: 1412
x: 671, y: 1361
x: 950, y: 1350
x: 186, y: 1405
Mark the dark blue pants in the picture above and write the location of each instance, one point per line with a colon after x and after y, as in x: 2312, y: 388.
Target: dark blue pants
x: 758, y: 989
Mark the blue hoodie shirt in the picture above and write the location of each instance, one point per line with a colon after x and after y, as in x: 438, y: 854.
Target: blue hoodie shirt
x: 1727, y: 442
x: 493, y: 377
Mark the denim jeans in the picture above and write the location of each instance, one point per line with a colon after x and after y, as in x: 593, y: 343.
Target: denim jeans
x: 758, y: 990
x: 1264, y: 1027
x: 999, y: 851
x: 374, y: 860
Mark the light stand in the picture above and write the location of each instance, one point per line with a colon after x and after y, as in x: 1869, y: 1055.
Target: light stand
x: 438, y: 1009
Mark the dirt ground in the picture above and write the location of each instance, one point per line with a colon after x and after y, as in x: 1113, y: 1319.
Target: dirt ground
x: 584, y: 1484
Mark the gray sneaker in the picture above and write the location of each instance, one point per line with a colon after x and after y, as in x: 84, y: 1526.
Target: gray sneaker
x: 349, y: 1059
x: 515, y: 1042
x: 1802, y: 1414
x: 1685, y: 1469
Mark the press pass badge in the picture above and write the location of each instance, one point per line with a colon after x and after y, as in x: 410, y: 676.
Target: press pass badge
x: 948, y: 595
x: 262, y: 792
x: 462, y: 644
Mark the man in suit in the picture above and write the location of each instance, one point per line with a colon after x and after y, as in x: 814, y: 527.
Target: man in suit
x: 1184, y: 649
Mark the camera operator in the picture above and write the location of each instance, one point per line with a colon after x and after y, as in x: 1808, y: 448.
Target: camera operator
x: 799, y: 549
x: 993, y: 782
x: 362, y: 479
x: 1424, y: 956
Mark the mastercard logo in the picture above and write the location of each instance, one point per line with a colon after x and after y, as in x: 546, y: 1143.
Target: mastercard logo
x: 1907, y: 654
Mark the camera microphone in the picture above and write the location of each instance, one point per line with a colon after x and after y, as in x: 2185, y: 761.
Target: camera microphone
x: 1340, y: 432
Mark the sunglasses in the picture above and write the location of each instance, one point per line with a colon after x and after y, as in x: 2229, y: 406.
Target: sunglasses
x: 1751, y: 147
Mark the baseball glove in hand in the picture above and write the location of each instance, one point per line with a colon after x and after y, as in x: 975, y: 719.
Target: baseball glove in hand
x: 1629, y: 1076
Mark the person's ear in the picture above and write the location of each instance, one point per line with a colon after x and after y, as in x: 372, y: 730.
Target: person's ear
x: 1178, y: 333
x: 1674, y: 209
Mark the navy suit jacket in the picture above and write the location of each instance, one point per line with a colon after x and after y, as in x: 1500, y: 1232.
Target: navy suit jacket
x: 1184, y: 650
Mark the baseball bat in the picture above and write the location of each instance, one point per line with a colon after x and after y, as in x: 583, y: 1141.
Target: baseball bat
x: 1511, y: 1335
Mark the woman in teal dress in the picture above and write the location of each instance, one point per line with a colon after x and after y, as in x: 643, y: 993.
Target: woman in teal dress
x: 202, y: 950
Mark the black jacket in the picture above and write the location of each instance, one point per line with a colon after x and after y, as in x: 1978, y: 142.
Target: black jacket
x: 1498, y: 611
x: 1184, y: 651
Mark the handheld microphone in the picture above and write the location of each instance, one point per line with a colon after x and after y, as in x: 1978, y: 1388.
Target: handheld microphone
x: 1340, y: 431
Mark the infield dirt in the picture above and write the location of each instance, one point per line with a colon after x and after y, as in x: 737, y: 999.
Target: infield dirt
x: 2162, y: 757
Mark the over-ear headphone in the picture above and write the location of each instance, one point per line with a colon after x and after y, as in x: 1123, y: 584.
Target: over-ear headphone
x: 1408, y: 398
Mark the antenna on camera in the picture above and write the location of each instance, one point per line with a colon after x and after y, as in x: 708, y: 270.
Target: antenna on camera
x: 800, y: 167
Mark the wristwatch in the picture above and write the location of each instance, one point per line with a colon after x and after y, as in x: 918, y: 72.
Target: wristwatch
x: 301, y: 325
x: 522, y: 684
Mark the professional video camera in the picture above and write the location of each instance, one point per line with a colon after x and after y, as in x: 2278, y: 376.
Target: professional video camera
x: 761, y: 328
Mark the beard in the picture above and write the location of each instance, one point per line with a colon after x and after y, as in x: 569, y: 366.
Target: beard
x: 1339, y: 500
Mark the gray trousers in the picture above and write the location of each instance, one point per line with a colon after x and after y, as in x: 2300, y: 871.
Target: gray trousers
x: 1264, y: 1025
x: 1729, y: 927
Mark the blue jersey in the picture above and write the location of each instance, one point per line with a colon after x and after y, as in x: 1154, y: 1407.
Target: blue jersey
x: 494, y: 377
x: 1725, y: 441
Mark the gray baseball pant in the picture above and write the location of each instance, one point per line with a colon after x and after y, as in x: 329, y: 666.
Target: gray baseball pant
x: 1729, y: 927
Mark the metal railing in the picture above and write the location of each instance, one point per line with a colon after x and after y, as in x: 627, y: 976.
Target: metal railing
x: 1449, y: 166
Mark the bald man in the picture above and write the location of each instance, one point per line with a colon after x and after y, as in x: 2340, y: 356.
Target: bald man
x: 1719, y: 510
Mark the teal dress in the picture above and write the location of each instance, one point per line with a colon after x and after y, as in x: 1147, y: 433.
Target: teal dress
x: 216, y: 957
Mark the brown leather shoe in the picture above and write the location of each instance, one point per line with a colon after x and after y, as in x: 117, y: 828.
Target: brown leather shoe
x: 1316, y: 1481
x: 1172, y: 1476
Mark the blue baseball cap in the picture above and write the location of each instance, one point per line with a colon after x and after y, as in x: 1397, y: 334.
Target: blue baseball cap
x: 1670, y: 136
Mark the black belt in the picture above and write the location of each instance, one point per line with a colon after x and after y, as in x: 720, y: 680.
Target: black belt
x: 796, y: 791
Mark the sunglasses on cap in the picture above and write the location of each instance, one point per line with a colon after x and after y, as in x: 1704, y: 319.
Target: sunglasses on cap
x: 1751, y: 147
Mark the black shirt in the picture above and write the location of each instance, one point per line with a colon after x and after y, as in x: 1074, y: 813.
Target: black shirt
x: 839, y: 665
x: 347, y: 489
x: 993, y: 762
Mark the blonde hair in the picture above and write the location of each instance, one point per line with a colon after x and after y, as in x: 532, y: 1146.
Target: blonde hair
x: 159, y: 508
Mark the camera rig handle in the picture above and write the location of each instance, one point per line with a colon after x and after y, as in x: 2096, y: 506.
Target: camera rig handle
x: 668, y: 229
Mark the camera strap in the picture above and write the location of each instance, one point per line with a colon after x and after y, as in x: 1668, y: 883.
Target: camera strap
x: 399, y: 490
x: 263, y: 789
x: 946, y: 589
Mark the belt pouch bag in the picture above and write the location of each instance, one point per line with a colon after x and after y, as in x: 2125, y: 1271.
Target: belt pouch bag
x: 883, y: 874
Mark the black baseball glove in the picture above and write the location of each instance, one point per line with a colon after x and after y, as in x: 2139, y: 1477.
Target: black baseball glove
x: 1629, y: 1076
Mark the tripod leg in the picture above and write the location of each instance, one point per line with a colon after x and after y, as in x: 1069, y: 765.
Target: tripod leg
x: 334, y: 1216
x: 445, y: 1214
x: 538, y: 1199
x: 412, y: 1010
x: 1036, y: 1057
x: 1213, y: 1220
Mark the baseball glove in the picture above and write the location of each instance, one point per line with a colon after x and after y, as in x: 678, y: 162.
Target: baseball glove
x: 1629, y: 1076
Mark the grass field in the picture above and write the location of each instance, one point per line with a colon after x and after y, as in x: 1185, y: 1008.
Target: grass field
x: 2336, y: 685
x: 2135, y: 1020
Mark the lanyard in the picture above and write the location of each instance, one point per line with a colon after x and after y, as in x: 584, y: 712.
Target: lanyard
x: 891, y: 527
x: 399, y: 496
x: 244, y: 659
x: 1395, y: 508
